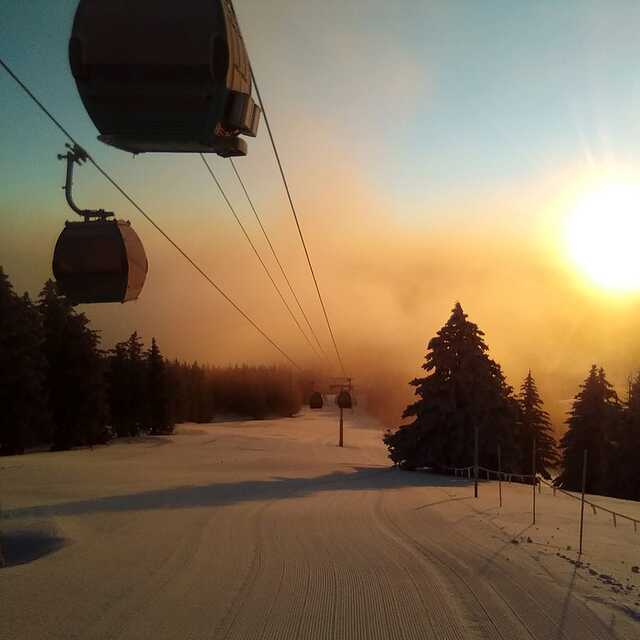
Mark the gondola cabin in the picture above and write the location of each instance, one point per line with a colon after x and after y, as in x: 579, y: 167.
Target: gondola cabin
x: 99, y: 261
x: 164, y: 75
x: 316, y: 401
x: 343, y: 400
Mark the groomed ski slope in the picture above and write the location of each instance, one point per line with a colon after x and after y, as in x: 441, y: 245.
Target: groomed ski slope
x: 267, y: 530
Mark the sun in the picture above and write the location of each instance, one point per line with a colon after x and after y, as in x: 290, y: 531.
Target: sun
x: 603, y: 236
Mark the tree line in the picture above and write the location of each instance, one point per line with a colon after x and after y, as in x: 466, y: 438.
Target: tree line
x: 59, y: 389
x: 464, y: 390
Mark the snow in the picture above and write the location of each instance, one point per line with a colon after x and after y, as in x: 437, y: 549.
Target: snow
x: 264, y: 530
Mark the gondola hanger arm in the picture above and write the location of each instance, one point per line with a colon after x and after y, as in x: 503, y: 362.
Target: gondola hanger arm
x: 76, y: 154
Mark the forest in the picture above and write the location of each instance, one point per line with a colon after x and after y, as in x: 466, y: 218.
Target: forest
x: 464, y: 390
x: 59, y: 389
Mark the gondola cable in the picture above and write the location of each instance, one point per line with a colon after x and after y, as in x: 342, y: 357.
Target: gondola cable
x: 297, y: 221
x: 257, y: 253
x: 276, y: 258
x: 131, y: 201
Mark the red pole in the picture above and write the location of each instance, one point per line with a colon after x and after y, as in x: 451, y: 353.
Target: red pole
x: 341, y: 429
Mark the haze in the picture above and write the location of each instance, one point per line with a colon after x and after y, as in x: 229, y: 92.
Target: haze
x: 434, y: 151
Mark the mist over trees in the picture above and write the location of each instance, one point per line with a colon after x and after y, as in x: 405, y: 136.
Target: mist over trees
x: 465, y: 389
x: 202, y: 392
x: 60, y: 390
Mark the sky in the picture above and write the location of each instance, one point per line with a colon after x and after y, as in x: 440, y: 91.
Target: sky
x: 436, y: 151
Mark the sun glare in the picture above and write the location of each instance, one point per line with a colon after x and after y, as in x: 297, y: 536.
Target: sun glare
x: 603, y: 236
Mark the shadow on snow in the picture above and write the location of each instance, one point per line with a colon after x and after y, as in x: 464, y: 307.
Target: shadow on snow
x: 218, y: 494
x: 23, y: 546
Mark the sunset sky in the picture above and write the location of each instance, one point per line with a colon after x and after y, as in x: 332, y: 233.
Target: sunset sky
x: 487, y: 152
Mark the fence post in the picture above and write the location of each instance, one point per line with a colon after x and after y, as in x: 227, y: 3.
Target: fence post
x: 500, y: 475
x: 533, y: 464
x: 585, y: 460
x: 475, y: 463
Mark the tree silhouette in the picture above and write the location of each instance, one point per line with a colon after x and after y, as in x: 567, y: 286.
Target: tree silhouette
x: 464, y: 389
x: 594, y: 416
x: 118, y: 390
x: 128, y: 387
x: 74, y: 372
x: 57, y: 388
x: 623, y: 478
x: 137, y: 384
x: 535, y: 423
x: 158, y: 420
x: 24, y: 419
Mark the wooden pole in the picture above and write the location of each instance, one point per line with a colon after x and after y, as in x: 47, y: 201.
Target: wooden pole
x: 500, y: 475
x: 340, y: 444
x: 533, y: 465
x: 475, y: 463
x: 585, y: 460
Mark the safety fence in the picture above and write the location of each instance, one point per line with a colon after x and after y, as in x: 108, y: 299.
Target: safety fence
x: 536, y: 482
x: 615, y: 515
x: 467, y: 472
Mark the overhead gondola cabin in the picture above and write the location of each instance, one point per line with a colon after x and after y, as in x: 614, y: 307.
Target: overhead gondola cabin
x: 343, y: 400
x: 164, y: 75
x: 97, y: 260
x: 316, y: 401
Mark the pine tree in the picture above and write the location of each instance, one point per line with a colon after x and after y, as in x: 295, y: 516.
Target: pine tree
x: 535, y: 424
x: 118, y: 392
x: 177, y: 392
x: 623, y: 477
x: 594, y: 416
x: 24, y: 419
x: 464, y: 389
x: 158, y: 419
x: 74, y: 373
x: 137, y: 387
x: 127, y: 387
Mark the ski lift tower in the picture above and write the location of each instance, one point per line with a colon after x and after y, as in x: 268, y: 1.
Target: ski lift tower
x: 343, y: 388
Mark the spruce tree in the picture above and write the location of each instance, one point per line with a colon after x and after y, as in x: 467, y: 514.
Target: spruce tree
x: 464, y: 390
x: 74, y: 373
x: 127, y: 387
x: 623, y: 476
x: 136, y: 380
x: 535, y: 424
x: 594, y: 416
x: 118, y: 389
x: 177, y: 392
x: 158, y: 420
x: 24, y: 419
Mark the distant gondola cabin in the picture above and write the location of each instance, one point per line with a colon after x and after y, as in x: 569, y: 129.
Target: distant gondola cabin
x: 343, y: 399
x: 316, y: 401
